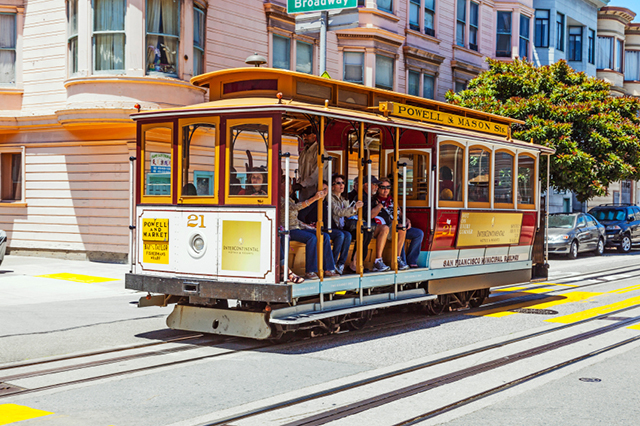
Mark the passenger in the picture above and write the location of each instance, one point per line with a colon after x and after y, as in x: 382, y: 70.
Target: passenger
x: 446, y: 183
x: 379, y: 231
x: 415, y: 235
x: 340, y: 239
x: 301, y: 232
x: 308, y: 165
x: 257, y: 187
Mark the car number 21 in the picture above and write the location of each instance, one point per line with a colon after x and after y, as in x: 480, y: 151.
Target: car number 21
x: 194, y: 221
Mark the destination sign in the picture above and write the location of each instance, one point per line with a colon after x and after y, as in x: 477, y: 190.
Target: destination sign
x: 155, y: 237
x: 488, y: 229
x: 296, y: 6
x: 446, y: 119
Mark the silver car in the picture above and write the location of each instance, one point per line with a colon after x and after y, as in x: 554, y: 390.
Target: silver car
x: 573, y: 233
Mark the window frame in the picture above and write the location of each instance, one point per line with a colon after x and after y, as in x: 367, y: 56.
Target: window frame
x: 344, y: 65
x: 422, y: 76
x: 610, y: 40
x: 390, y: 10
x: 22, y: 202
x: 506, y: 206
x: 72, y: 57
x: 540, y: 38
x: 195, y: 199
x: 248, y: 199
x: 474, y: 28
x: 178, y: 37
x: 536, y: 165
x: 560, y: 28
x: 479, y: 204
x: 393, y: 72
x: 576, y: 37
x: 311, y: 45
x: 503, y: 54
x: 13, y: 49
x: 413, y: 202
x: 591, y: 50
x: 156, y: 199
x: 450, y: 203
x: 461, y: 22
x: 636, y: 53
x: 618, y: 60
x: 108, y: 32
x: 200, y: 9
x: 522, y: 39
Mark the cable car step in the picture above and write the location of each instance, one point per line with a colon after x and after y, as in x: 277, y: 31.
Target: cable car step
x: 301, y: 314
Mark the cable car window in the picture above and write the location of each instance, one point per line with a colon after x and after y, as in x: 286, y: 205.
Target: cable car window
x: 157, y: 161
x: 249, y: 160
x: 371, y: 151
x: 451, y: 172
x: 198, y: 159
x: 417, y: 175
x: 526, y: 179
x: 503, y: 178
x: 479, y: 175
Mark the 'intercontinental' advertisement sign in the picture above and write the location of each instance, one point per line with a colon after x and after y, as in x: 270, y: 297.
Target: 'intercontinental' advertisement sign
x: 488, y: 229
x: 446, y: 119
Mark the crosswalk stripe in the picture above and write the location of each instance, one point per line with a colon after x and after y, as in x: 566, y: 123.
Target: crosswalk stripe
x: 11, y: 413
x: 574, y: 296
x: 594, y: 312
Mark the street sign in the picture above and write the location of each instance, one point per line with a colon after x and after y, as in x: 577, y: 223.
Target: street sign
x: 338, y: 20
x: 297, y: 6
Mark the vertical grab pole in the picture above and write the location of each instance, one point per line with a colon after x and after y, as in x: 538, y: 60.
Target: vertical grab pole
x: 132, y: 209
x: 404, y: 195
x: 330, y: 182
x: 546, y: 214
x: 394, y: 224
x: 285, y: 272
x: 319, y: 234
x: 432, y: 197
x: 369, y: 195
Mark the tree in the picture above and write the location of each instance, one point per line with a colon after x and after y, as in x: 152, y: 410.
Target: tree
x: 596, y: 136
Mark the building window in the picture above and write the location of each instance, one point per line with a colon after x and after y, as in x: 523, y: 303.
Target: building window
x: 428, y: 84
x: 304, y: 57
x: 619, y: 55
x: 8, y: 37
x: 542, y: 28
x: 605, y: 53
x: 108, y: 35
x: 384, y: 72
x: 461, y: 21
x: 386, y: 5
x: 592, y: 46
x: 199, y: 27
x: 429, y: 17
x: 11, y: 176
x: 632, y: 65
x: 523, y: 48
x: 503, y: 39
x: 560, y: 32
x: 281, y: 52
x: 72, y: 35
x: 354, y: 67
x: 459, y: 86
x: 414, y: 15
x: 163, y: 37
x: 473, y: 25
x: 575, y: 43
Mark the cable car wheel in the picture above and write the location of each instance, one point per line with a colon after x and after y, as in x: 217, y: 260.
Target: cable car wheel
x: 357, y: 321
x: 439, y: 305
x: 477, y: 297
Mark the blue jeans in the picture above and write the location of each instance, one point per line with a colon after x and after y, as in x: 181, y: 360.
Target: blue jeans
x: 416, y: 236
x: 341, y: 241
x: 308, y: 238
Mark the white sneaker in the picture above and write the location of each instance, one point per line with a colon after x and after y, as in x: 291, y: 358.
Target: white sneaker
x: 379, y: 266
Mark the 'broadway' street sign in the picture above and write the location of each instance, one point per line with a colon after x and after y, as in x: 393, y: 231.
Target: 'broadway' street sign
x: 297, y: 6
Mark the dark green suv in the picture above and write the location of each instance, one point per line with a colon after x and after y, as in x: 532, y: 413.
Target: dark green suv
x: 622, y: 222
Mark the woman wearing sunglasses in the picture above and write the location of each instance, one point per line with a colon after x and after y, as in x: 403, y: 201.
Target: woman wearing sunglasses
x: 340, y: 210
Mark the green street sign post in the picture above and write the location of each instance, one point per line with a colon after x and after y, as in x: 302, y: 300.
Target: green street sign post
x: 297, y: 6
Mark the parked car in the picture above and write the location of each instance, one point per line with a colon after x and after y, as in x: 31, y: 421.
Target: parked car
x: 622, y: 222
x: 573, y: 233
x: 3, y: 245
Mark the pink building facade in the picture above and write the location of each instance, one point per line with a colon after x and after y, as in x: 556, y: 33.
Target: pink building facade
x: 72, y: 72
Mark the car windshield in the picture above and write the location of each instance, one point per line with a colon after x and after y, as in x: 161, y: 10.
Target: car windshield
x: 608, y: 214
x: 562, y: 221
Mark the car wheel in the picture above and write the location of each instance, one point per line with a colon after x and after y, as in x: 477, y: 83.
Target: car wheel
x: 573, y: 250
x: 600, y: 247
x: 625, y: 244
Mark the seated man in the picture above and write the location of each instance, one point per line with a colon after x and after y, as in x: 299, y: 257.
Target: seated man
x: 380, y: 231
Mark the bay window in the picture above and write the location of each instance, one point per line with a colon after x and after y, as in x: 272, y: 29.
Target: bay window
x: 304, y: 57
x: 72, y: 35
x: 354, y: 67
x: 281, y: 52
x: 199, y: 27
x: 632, y: 65
x: 163, y: 37
x: 618, y: 55
x: 605, y: 53
x: 503, y: 39
x: 523, y: 48
x: 8, y: 49
x: 384, y: 72
x: 108, y: 35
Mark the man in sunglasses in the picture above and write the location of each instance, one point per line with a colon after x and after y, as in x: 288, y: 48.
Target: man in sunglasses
x: 415, y: 235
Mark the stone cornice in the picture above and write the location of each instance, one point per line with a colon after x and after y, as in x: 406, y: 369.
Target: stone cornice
x: 376, y: 34
x: 620, y: 14
x: 467, y: 67
x: 422, y: 55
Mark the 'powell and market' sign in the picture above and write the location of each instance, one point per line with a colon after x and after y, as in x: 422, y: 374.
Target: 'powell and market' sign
x: 296, y: 6
x: 432, y: 116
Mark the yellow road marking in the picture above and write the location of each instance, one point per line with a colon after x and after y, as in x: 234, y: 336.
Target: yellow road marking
x: 634, y: 327
x: 594, y: 312
x: 625, y: 289
x: 87, y: 279
x: 574, y: 296
x: 10, y: 413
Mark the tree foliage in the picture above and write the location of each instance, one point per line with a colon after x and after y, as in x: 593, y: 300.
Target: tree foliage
x: 596, y: 136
